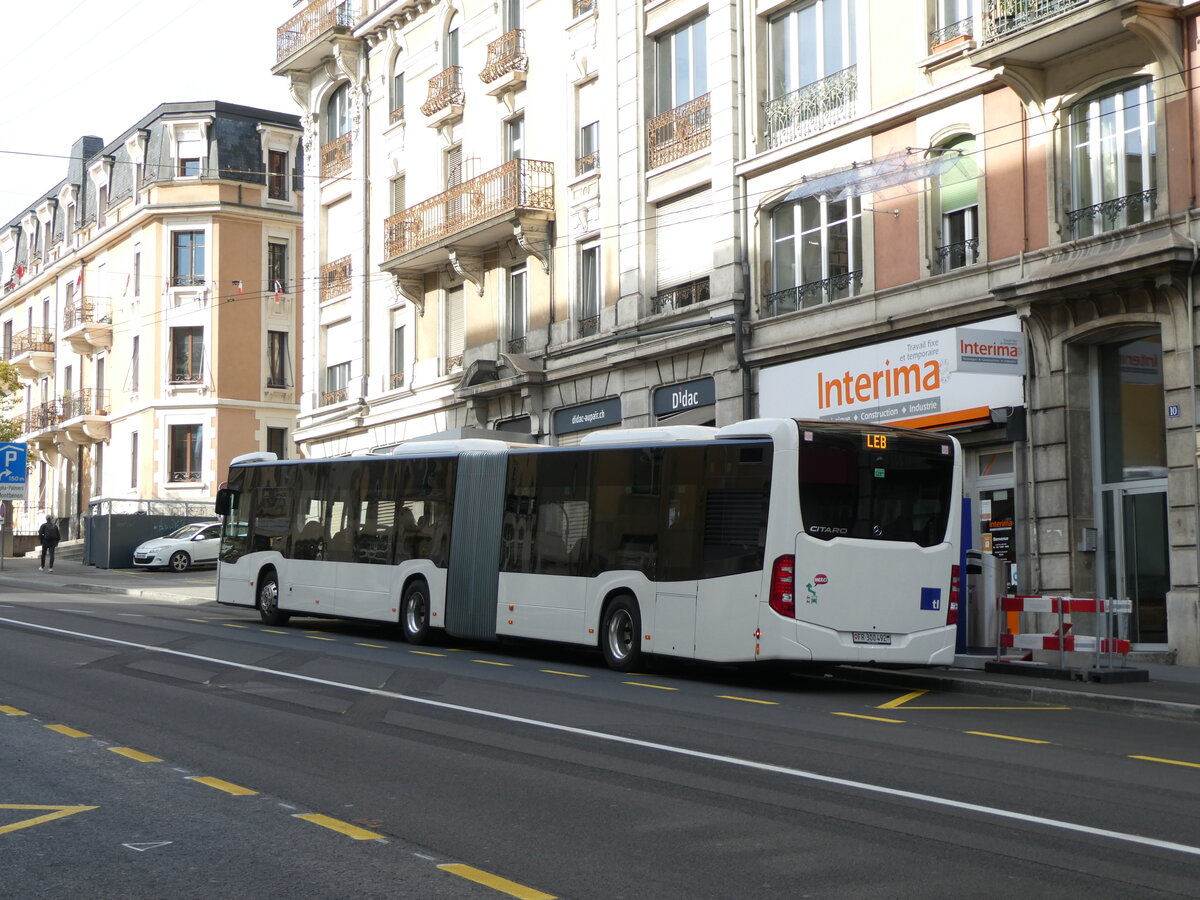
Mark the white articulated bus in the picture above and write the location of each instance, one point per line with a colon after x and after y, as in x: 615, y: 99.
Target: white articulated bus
x: 771, y: 539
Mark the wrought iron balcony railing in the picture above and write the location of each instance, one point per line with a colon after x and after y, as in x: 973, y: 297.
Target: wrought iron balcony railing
x: 957, y: 255
x: 445, y: 89
x: 587, y: 163
x: 335, y: 278
x: 312, y: 21
x: 518, y: 184
x: 190, y: 475
x: 397, y: 380
x: 86, y: 309
x: 33, y: 340
x: 335, y: 156
x: 587, y: 326
x: 813, y: 293
x: 505, y: 54
x: 1108, y: 215
x: 337, y: 395
x: 812, y: 109
x: 678, y: 132
x: 84, y: 402
x: 517, y: 344
x: 42, y: 417
x: 1002, y: 18
x: 582, y: 7
x: 681, y: 296
x: 397, y: 115
x: 188, y: 279
x: 961, y: 28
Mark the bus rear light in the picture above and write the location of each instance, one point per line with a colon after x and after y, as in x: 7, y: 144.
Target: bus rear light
x: 783, y: 586
x: 952, y: 604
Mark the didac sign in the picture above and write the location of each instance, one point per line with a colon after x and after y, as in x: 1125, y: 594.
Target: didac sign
x: 680, y: 397
x: 12, y: 471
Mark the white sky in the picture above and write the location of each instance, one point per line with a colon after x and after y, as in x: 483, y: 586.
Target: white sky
x: 76, y: 67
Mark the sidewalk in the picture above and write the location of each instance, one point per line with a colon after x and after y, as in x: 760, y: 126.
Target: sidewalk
x: 1172, y: 691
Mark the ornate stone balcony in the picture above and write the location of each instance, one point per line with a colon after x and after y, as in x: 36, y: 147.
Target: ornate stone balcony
x: 84, y: 416
x: 335, y: 278
x: 678, y: 132
x: 335, y: 156
x: 446, y: 96
x: 87, y: 324
x: 812, y: 109
x: 1035, y: 33
x: 507, y: 63
x: 300, y: 41
x: 33, y: 353
x: 508, y: 201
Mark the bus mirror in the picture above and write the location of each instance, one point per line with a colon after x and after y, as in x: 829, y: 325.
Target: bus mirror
x: 225, y: 501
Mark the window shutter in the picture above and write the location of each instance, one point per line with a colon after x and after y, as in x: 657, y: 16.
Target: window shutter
x: 684, y: 237
x: 398, y: 195
x: 455, y: 322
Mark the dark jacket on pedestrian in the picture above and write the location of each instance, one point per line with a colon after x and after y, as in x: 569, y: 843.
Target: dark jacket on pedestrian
x: 48, y: 534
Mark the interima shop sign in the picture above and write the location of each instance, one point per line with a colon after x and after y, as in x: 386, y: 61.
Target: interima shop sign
x: 935, y: 378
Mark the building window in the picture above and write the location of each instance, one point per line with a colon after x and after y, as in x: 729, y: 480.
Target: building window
x: 1113, y: 156
x: 954, y: 19
x: 397, y: 98
x: 278, y: 361
x: 518, y: 308
x: 277, y: 442
x: 588, y: 157
x: 456, y: 331
x: 337, y: 384
x: 337, y: 114
x: 186, y: 452
x: 187, y: 258
x: 397, y: 377
x: 514, y: 135
x: 187, y: 355
x: 137, y: 273
x: 512, y: 14
x: 957, y: 241
x: 813, y: 82
x: 588, y: 295
x: 681, y: 67
x: 817, y: 253
x: 133, y: 464
x: 189, y: 167
x: 277, y: 174
x: 190, y: 150
x: 277, y: 267
x: 134, y: 362
x: 397, y: 195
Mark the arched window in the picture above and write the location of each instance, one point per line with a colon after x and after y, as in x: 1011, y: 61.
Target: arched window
x: 957, y: 229
x: 397, y: 90
x: 450, y: 49
x: 337, y: 114
x: 1112, y: 159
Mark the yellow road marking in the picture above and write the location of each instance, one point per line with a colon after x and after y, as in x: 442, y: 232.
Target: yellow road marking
x: 870, y: 718
x: 657, y: 687
x: 12, y: 711
x: 908, y: 698
x: 359, y: 834
x: 59, y: 812
x: 489, y: 662
x: 1006, y: 737
x: 68, y: 731
x: 272, y: 631
x: 568, y: 674
x: 425, y: 653
x: 314, y: 637
x: 900, y: 701
x: 201, y: 621
x: 1169, y: 762
x: 746, y: 700
x: 220, y: 785
x: 376, y: 646
x: 495, y: 882
x: 135, y: 754
x: 231, y: 625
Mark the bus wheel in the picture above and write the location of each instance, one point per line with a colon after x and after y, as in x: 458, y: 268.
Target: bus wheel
x: 268, y: 601
x: 414, y: 613
x: 620, y: 634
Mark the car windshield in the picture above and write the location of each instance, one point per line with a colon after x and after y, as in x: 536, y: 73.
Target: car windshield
x: 185, y: 532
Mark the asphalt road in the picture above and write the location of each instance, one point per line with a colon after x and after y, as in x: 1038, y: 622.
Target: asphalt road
x: 541, y: 773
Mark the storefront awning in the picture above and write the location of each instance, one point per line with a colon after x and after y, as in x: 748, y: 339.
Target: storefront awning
x: 887, y: 171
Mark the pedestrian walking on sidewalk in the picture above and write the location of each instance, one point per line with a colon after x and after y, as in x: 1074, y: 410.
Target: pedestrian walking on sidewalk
x: 49, y: 536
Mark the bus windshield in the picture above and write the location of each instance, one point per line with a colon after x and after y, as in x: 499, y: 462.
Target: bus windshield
x: 890, y: 487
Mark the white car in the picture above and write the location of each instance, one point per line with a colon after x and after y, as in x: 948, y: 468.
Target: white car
x: 181, y: 549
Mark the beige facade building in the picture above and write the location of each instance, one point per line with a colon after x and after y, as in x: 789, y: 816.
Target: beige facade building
x: 545, y: 217
x: 150, y: 306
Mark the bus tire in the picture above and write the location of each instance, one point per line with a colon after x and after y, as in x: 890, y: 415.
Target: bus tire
x: 268, y: 600
x: 414, y: 613
x: 621, y: 634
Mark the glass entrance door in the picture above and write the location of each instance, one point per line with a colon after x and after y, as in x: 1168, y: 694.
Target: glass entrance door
x: 1135, y: 525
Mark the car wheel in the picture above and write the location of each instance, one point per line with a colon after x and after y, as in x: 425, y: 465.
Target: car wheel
x: 179, y: 561
x: 268, y: 601
x: 620, y: 634
x: 414, y: 614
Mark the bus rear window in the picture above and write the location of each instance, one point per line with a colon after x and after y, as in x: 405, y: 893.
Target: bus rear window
x: 893, y: 487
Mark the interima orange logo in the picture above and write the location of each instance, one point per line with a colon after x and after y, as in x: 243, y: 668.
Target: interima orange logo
x: 850, y: 388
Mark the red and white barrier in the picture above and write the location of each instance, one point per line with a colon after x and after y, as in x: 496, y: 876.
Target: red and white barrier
x: 1062, y: 640
x: 1064, y: 605
x: 1082, y: 642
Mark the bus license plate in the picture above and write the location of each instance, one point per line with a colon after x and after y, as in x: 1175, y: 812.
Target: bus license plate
x: 871, y: 637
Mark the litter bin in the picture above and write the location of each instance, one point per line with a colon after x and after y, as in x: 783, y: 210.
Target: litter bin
x: 982, y: 591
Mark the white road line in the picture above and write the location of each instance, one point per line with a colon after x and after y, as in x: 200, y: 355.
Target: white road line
x: 862, y: 786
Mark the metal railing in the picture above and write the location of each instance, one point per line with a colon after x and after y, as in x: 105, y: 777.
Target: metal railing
x: 397, y: 115
x: 1116, y: 213
x: 1004, y: 17
x: 338, y: 395
x: 961, y: 28
x: 957, y: 255
x: 335, y: 278
x: 505, y: 54
x: 678, y: 132
x: 517, y: 344
x: 42, y: 417
x: 518, y: 184
x: 315, y: 19
x: 582, y: 7
x: 445, y: 89
x: 812, y: 293
x: 33, y: 340
x: 588, y: 326
x: 680, y: 296
x: 84, y: 402
x: 335, y: 156
x: 812, y: 109
x: 87, y: 309
x: 587, y: 163
x: 177, y: 477
x: 397, y: 380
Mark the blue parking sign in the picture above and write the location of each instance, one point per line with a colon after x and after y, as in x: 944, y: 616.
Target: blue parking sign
x: 12, y: 471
